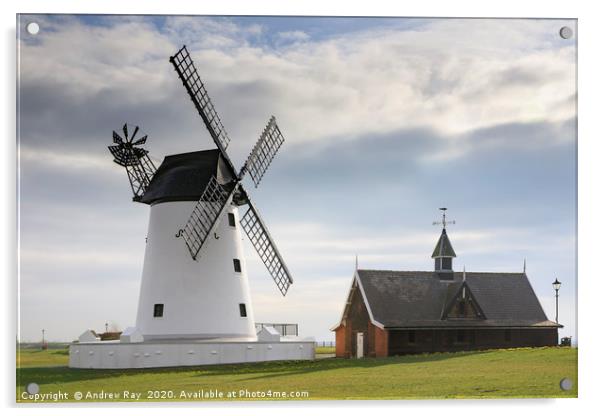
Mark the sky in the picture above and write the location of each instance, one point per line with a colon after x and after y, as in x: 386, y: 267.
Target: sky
x: 385, y: 121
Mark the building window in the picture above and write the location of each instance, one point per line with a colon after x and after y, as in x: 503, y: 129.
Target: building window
x: 231, y: 220
x: 460, y: 336
x: 243, y: 310
x: 507, y: 335
x: 158, y: 310
x: 462, y: 308
x: 411, y: 337
x: 237, y: 267
x: 446, y: 263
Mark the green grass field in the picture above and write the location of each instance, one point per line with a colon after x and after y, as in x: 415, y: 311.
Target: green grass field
x: 325, y: 350
x: 513, y: 373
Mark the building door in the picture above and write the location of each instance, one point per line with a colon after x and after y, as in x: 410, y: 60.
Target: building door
x: 360, y: 345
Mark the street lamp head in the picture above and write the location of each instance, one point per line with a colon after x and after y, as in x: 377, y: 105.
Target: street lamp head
x: 556, y: 284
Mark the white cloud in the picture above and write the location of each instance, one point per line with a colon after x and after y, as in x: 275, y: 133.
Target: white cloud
x: 88, y: 60
x: 312, y: 243
x: 453, y: 76
x: 81, y: 257
x: 293, y: 36
x: 64, y: 161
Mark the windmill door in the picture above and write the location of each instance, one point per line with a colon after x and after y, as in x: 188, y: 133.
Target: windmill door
x: 360, y: 345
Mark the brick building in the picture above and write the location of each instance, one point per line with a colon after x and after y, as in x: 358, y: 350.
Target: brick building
x: 403, y: 312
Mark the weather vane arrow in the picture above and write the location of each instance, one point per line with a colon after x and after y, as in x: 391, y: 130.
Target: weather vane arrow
x: 444, y: 222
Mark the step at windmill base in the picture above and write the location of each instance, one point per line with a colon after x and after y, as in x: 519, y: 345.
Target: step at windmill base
x: 185, y: 352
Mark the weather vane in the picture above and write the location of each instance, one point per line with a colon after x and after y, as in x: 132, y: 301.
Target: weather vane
x: 443, y: 221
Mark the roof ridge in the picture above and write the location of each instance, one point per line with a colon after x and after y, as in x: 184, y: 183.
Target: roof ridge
x: 431, y: 271
x: 391, y: 270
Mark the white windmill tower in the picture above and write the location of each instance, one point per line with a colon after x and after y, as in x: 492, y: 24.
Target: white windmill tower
x: 194, y: 283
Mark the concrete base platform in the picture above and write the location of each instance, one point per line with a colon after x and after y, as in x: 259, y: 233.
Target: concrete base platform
x: 185, y: 352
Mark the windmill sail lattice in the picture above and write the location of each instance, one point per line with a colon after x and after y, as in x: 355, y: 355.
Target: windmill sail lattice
x: 139, y: 167
x: 205, y: 216
x: 259, y: 236
x: 263, y: 152
x: 187, y: 72
x: 212, y: 204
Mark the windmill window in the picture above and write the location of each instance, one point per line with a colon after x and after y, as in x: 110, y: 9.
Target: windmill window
x: 243, y: 310
x: 231, y: 220
x: 507, y: 335
x: 158, y: 310
x: 237, y: 266
x: 460, y: 336
x: 411, y: 337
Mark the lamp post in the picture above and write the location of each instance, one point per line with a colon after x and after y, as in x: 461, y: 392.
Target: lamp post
x: 556, y: 286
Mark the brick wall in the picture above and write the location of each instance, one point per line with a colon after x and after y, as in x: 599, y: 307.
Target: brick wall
x: 358, y: 320
x: 403, y: 342
x: 381, y: 342
x: 340, y: 344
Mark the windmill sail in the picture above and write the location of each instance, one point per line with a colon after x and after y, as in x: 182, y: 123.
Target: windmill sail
x: 210, y: 207
x: 263, y: 152
x: 205, y: 216
x: 187, y: 72
x: 259, y: 236
x: 140, y: 175
x: 138, y: 165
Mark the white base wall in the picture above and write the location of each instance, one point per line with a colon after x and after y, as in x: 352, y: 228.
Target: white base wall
x: 177, y: 353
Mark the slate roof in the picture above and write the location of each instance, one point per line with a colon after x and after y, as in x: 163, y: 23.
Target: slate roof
x: 183, y: 177
x: 443, y: 247
x: 412, y: 299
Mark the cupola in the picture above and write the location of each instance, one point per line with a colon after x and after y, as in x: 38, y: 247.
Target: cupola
x: 443, y: 252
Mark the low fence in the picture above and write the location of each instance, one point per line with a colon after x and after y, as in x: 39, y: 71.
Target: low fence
x: 290, y: 329
x: 283, y: 329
